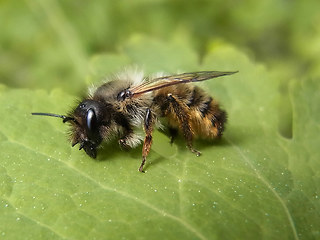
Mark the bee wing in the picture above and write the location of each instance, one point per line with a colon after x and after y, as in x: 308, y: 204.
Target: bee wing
x: 162, y: 82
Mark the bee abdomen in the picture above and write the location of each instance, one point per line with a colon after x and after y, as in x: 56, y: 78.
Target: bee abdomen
x: 200, y: 100
x: 205, y: 107
x: 218, y: 120
x: 208, y: 119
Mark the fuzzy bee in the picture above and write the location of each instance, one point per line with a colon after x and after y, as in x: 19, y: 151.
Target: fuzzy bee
x: 131, y: 101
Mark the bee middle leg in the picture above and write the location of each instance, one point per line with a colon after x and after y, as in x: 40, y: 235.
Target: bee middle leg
x: 181, y: 113
x: 148, y: 127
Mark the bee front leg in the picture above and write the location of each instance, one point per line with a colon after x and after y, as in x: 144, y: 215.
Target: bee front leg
x: 127, y: 139
x: 182, y: 115
x: 148, y: 127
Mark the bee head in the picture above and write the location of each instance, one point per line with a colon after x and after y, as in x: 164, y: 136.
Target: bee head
x: 88, y: 119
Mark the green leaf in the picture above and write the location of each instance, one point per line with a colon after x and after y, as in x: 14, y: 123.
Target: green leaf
x: 252, y: 184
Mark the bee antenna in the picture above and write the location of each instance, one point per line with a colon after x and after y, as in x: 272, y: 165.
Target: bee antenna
x: 65, y: 118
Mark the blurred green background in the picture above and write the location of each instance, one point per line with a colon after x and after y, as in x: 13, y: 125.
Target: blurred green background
x: 49, y: 44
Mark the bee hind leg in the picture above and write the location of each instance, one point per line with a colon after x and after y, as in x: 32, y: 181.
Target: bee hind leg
x: 173, y: 132
x: 183, y: 118
x: 148, y: 127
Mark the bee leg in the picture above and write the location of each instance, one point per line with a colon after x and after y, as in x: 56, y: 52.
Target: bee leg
x: 124, y: 141
x: 183, y: 119
x: 148, y: 127
x: 173, y: 134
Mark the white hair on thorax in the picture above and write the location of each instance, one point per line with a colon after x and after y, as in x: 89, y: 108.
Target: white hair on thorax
x: 132, y: 75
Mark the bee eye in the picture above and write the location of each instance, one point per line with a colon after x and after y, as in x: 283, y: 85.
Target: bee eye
x: 91, y: 119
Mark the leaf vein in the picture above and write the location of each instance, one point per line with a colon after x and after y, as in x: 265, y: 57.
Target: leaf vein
x: 264, y: 181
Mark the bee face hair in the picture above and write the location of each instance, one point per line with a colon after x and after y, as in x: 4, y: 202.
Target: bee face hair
x: 131, y: 101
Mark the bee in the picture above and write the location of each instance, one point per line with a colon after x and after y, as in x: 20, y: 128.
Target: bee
x: 131, y: 101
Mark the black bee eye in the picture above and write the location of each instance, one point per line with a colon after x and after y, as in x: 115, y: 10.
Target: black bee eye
x: 91, y: 119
